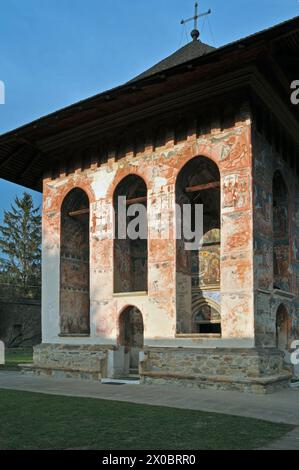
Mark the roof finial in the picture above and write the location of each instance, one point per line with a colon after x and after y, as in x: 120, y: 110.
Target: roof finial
x: 195, y: 33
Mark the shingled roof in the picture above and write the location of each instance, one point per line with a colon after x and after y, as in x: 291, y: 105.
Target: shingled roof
x: 191, y: 51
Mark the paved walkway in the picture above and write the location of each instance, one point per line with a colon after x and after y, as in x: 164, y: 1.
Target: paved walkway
x: 289, y: 442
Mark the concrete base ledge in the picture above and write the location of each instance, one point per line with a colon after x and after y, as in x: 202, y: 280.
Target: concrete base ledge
x: 268, y: 384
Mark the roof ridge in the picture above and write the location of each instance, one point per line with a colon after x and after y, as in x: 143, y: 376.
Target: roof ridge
x: 192, y: 50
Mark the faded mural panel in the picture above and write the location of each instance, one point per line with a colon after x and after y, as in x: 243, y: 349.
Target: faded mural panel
x: 74, y: 264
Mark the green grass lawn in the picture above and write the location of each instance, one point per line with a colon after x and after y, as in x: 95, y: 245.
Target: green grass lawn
x: 13, y: 357
x: 35, y: 421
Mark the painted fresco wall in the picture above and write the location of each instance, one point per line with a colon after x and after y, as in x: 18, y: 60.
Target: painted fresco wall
x: 199, y: 270
x: 159, y: 165
x: 276, y: 239
x: 130, y: 256
x: 74, y: 266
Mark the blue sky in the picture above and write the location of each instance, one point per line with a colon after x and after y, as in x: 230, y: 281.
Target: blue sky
x: 56, y: 52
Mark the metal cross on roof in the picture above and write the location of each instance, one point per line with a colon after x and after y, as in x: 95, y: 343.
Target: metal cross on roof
x: 195, y: 33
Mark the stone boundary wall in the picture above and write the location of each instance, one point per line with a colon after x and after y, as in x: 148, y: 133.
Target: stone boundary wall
x: 20, y: 322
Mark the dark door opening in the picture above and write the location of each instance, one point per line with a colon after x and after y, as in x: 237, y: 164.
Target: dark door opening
x: 282, y: 328
x: 131, y: 338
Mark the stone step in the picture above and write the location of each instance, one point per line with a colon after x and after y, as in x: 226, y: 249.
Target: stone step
x: 121, y: 381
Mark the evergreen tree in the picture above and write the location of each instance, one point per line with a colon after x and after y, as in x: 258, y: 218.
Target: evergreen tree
x: 20, y: 243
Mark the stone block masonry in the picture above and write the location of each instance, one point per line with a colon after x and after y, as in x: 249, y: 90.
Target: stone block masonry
x: 65, y: 361
x: 246, y: 370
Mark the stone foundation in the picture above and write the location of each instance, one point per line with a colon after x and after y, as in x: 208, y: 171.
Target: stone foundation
x: 246, y: 370
x: 69, y: 361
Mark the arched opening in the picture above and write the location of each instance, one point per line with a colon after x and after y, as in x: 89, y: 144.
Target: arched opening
x: 206, y: 318
x: 130, y: 244
x: 282, y: 328
x: 131, y: 337
x: 281, y: 247
x: 198, y: 269
x: 74, y: 264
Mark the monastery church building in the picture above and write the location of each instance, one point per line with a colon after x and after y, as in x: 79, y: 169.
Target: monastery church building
x: 207, y: 126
